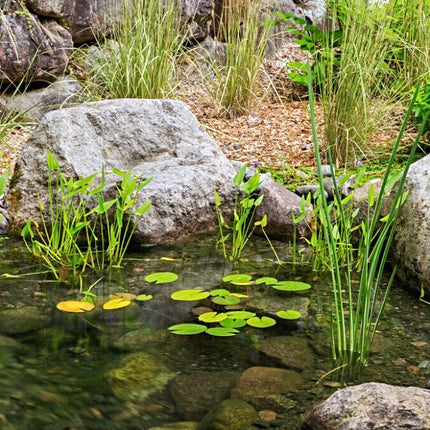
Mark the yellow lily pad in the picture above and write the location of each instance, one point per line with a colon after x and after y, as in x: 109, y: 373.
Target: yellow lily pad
x: 75, y: 306
x: 124, y: 296
x: 116, y: 304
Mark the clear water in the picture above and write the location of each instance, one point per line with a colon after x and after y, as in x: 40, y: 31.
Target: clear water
x: 57, y: 377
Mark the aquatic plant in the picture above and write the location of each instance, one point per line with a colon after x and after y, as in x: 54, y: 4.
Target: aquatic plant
x: 79, y: 228
x: 356, y: 316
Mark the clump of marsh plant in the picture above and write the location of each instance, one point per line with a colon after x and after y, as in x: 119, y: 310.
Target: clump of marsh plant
x: 232, y: 77
x: 140, y: 59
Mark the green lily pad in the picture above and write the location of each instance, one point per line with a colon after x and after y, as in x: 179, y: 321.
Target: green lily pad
x: 220, y: 292
x: 226, y: 301
x: 237, y: 278
x: 161, y: 277
x: 189, y: 295
x: 222, y: 331
x: 291, y: 286
x: 266, y: 280
x: 240, y: 315
x: 262, y: 322
x: 289, y: 315
x: 212, y: 317
x: 144, y: 297
x: 231, y: 323
x: 187, y: 329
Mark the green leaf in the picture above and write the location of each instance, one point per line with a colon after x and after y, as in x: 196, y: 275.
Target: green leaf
x: 144, y: 297
x: 291, y: 286
x: 190, y: 295
x: 222, y: 331
x: 217, y: 199
x: 240, y: 175
x: 161, y: 277
x: 266, y: 280
x: 289, y: 315
x: 226, y: 301
x: 220, y: 292
x: 240, y: 315
x: 143, y: 208
x: 237, y: 278
x: 212, y: 317
x: 263, y: 322
x: 232, y: 323
x: 187, y: 329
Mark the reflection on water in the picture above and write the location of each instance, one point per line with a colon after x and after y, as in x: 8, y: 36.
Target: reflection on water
x: 123, y: 369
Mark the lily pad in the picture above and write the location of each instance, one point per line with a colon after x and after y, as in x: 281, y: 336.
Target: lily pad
x: 161, y: 277
x: 212, y: 317
x: 144, y: 297
x: 237, y: 278
x: 289, y: 315
x: 222, y: 331
x: 124, y: 296
x: 190, y: 295
x: 231, y: 323
x: 116, y: 304
x: 75, y: 306
x: 226, y: 301
x: 291, y: 286
x: 266, y: 280
x: 263, y: 322
x: 220, y: 292
x: 187, y: 329
x: 240, y: 315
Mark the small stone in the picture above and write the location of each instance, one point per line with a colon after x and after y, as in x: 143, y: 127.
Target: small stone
x: 413, y: 370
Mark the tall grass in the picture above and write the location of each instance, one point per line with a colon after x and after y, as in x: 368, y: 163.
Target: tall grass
x: 233, y: 77
x: 352, y: 77
x: 140, y: 60
x: 356, y: 314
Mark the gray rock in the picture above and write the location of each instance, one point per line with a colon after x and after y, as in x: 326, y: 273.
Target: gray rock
x: 31, y: 50
x: 345, y: 185
x: 35, y: 103
x: 4, y: 221
x: 372, y: 406
x: 279, y: 204
x: 231, y: 414
x: 410, y: 250
x: 304, y: 190
x: 265, y: 387
x: 195, y: 393
x: 159, y: 138
x: 293, y: 352
x: 22, y: 320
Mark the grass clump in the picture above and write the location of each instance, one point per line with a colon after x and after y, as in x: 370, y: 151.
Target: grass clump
x: 232, y: 78
x: 140, y: 59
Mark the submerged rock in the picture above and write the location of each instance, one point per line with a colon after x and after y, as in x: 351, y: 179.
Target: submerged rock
x: 138, y: 376
x: 372, y: 406
x: 22, y: 320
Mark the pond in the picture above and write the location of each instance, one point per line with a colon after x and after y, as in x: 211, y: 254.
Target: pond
x: 122, y: 369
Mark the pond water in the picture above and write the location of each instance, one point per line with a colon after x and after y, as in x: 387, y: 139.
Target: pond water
x: 122, y: 369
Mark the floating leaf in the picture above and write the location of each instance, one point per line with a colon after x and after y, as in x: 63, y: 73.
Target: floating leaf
x: 239, y: 296
x: 266, y: 280
x: 169, y: 259
x: 144, y: 297
x: 190, y: 295
x: 75, y: 306
x: 225, y: 301
x: 124, y: 296
x: 238, y: 278
x: 262, y: 322
x: 289, y: 315
x: 161, y: 277
x: 240, y: 315
x: 116, y: 304
x: 220, y: 292
x: 222, y: 331
x: 232, y: 323
x: 212, y: 317
x: 291, y: 286
x: 187, y: 329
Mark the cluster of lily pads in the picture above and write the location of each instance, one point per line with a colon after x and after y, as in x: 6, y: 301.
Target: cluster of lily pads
x: 211, y: 322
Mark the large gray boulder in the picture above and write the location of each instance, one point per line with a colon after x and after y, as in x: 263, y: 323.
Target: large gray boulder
x: 410, y: 250
x: 159, y: 138
x: 372, y: 406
